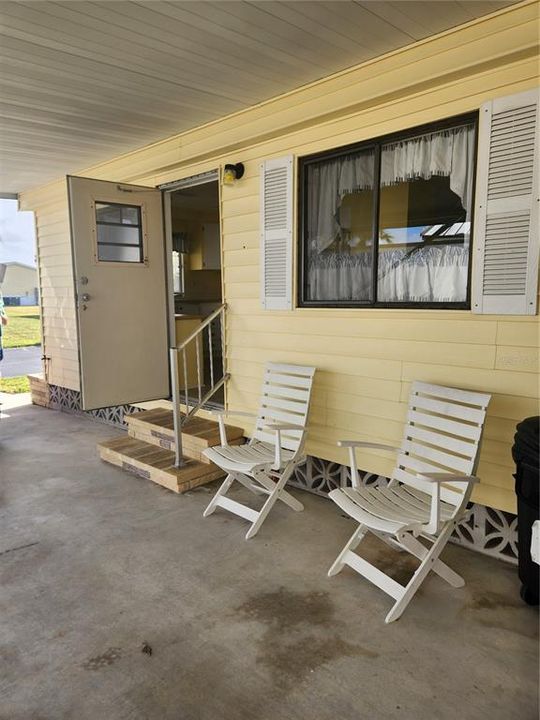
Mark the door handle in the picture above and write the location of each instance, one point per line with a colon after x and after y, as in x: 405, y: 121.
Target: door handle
x: 85, y: 297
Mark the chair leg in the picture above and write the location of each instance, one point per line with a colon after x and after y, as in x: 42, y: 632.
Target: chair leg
x: 272, y: 497
x: 419, y: 576
x: 339, y: 563
x: 284, y: 496
x: 263, y: 512
x: 224, y: 488
x: 390, y: 541
x: 415, y: 547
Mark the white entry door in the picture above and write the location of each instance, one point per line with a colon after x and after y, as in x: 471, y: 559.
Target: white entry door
x: 121, y: 291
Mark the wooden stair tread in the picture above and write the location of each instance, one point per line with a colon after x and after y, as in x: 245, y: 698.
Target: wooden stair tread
x: 196, y: 427
x: 157, y: 464
x: 157, y: 428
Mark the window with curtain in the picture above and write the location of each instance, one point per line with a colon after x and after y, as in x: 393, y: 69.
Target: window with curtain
x: 389, y: 222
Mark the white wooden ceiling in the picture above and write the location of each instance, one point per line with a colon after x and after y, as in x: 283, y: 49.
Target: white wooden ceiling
x: 81, y: 82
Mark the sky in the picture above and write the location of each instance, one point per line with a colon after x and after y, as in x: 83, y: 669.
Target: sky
x: 16, y: 234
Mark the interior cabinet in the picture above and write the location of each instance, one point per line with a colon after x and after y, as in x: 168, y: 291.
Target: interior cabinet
x: 211, y: 254
x: 185, y: 326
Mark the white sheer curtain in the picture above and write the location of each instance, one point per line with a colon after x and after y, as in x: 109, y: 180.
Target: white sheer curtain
x: 448, y: 153
x: 336, y: 276
x: 431, y: 273
x: 328, y: 183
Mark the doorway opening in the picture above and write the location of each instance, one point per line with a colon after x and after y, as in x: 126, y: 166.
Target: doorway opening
x: 196, y: 277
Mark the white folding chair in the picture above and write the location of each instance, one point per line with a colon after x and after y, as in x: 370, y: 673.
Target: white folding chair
x: 275, y: 450
x: 428, y: 492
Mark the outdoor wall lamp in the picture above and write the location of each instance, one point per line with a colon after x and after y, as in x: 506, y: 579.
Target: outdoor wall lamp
x: 232, y: 173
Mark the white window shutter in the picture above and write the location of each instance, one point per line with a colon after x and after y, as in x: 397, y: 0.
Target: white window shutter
x: 277, y: 233
x: 505, y: 242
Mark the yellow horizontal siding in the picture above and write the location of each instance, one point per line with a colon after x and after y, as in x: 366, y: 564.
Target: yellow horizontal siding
x: 365, y: 359
x: 59, y: 328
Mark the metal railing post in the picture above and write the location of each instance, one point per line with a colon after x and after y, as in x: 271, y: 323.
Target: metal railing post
x: 197, y: 337
x: 175, y: 385
x: 222, y: 323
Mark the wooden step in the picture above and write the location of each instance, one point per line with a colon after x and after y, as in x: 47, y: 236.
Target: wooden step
x: 157, y: 464
x: 39, y: 389
x: 157, y: 428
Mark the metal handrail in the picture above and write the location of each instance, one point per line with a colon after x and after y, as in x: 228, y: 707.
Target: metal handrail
x: 201, y: 327
x: 215, y: 385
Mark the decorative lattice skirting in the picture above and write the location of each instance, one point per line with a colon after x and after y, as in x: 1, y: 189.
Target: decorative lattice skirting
x: 486, y: 530
x: 66, y: 400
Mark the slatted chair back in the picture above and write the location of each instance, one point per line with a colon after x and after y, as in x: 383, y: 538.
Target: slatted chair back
x: 286, y: 395
x: 442, y: 434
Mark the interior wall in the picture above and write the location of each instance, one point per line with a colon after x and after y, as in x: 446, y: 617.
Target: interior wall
x: 192, y: 210
x: 365, y: 359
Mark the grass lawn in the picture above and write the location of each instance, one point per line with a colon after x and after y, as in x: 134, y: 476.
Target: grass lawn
x: 23, y: 328
x: 15, y: 384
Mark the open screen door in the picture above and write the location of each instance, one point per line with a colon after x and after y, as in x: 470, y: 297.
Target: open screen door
x: 121, y: 291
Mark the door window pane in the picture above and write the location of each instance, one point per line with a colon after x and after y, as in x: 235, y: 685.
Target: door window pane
x: 339, y: 219
x: 118, y: 253
x: 119, y: 233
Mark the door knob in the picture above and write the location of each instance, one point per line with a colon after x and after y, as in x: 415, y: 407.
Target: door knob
x: 85, y: 297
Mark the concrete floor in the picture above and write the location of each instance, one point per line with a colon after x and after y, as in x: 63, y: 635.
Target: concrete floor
x: 94, y: 563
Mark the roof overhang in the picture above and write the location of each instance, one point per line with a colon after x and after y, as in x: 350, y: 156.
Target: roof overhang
x: 83, y: 82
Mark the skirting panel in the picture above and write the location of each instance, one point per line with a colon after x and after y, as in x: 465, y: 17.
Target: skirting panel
x: 486, y: 530
x: 67, y: 400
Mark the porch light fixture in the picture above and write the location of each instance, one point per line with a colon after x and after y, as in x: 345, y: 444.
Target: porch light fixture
x: 232, y: 173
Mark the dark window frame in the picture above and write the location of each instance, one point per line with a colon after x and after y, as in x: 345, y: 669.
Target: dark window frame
x: 138, y: 226
x: 376, y: 144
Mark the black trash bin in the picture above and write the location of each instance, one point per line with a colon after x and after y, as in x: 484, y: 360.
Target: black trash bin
x: 526, y: 452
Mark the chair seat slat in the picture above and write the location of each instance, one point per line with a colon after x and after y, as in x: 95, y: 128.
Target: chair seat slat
x: 371, y: 503
x: 451, y: 494
x: 363, y: 516
x: 447, y: 508
x: 386, y: 505
x: 422, y: 498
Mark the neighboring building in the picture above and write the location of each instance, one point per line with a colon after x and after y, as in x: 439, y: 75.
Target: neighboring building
x: 297, y: 251
x: 19, y: 283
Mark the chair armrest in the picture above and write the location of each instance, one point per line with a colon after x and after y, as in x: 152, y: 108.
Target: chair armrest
x: 221, y: 414
x: 365, y: 444
x: 438, y: 479
x: 447, y: 477
x: 278, y: 427
x: 352, y: 445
